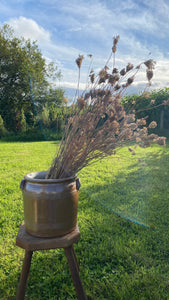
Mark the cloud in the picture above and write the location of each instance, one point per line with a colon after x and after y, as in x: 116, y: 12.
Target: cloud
x: 161, y: 73
x: 78, y: 27
x: 108, y: 18
x: 29, y: 29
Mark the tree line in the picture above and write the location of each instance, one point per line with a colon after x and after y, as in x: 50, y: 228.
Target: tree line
x: 27, y: 95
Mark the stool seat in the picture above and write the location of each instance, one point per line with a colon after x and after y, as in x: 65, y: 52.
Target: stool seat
x: 31, y: 243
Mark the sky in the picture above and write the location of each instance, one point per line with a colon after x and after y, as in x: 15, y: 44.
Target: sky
x: 64, y: 29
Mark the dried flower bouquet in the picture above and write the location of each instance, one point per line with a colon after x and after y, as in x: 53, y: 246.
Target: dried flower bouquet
x: 99, y: 123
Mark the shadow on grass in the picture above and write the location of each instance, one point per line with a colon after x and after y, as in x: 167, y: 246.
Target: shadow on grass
x: 139, y: 194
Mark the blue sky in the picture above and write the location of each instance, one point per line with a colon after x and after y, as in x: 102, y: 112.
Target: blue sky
x: 64, y: 29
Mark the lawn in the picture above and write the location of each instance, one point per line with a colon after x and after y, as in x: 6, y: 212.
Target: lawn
x: 119, y: 258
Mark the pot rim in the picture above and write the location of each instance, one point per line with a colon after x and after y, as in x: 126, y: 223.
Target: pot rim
x: 33, y: 177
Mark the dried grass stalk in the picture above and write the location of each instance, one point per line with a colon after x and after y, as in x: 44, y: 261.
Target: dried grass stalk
x: 99, y: 124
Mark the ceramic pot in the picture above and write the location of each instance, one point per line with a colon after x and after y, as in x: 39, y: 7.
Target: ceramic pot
x: 50, y: 205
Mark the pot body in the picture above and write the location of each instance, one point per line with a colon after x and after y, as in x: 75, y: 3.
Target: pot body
x: 50, y: 205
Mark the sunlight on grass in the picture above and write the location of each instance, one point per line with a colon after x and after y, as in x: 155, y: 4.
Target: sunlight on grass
x: 128, y: 185
x: 118, y: 259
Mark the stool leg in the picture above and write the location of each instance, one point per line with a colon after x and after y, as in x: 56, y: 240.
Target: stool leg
x: 24, y: 275
x: 75, y: 258
x: 73, y: 265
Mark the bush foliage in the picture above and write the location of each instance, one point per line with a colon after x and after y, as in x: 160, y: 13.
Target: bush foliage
x: 150, y: 105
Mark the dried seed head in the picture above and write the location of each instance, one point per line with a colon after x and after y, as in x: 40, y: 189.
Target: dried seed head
x: 141, y: 122
x: 119, y: 108
x: 146, y: 94
x: 81, y: 103
x: 100, y: 92
x: 143, y: 132
x: 86, y: 96
x: 124, y: 86
x: 150, y: 64
x: 102, y: 73
x: 117, y: 87
x: 132, y: 126
x: 114, y: 125
x: 123, y: 72
x: 93, y: 93
x: 65, y: 99
x: 130, y: 80
x: 125, y: 134
x: 129, y: 67
x: 152, y: 137
x: 101, y: 80
x: 149, y: 74
x: 115, y: 40
x: 114, y: 48
x: 112, y: 79
x: 161, y: 141
x: 116, y: 77
x: 115, y: 71
x: 79, y: 60
x: 92, y: 77
x: 138, y: 67
x: 153, y: 124
x: 166, y: 102
x: 130, y: 118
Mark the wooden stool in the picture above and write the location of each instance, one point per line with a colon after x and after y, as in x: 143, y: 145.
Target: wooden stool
x: 31, y: 243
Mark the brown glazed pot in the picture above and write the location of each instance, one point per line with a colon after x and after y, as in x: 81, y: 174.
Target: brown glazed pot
x: 50, y: 205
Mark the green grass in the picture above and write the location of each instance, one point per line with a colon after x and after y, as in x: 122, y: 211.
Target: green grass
x: 118, y: 259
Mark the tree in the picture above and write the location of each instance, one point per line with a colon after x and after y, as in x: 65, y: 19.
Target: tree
x: 45, y: 116
x: 22, y: 122
x: 22, y: 64
x: 3, y: 130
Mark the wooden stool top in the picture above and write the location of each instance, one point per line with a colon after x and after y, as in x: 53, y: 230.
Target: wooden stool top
x: 31, y: 243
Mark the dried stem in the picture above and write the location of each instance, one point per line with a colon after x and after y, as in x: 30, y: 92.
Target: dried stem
x: 99, y: 124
